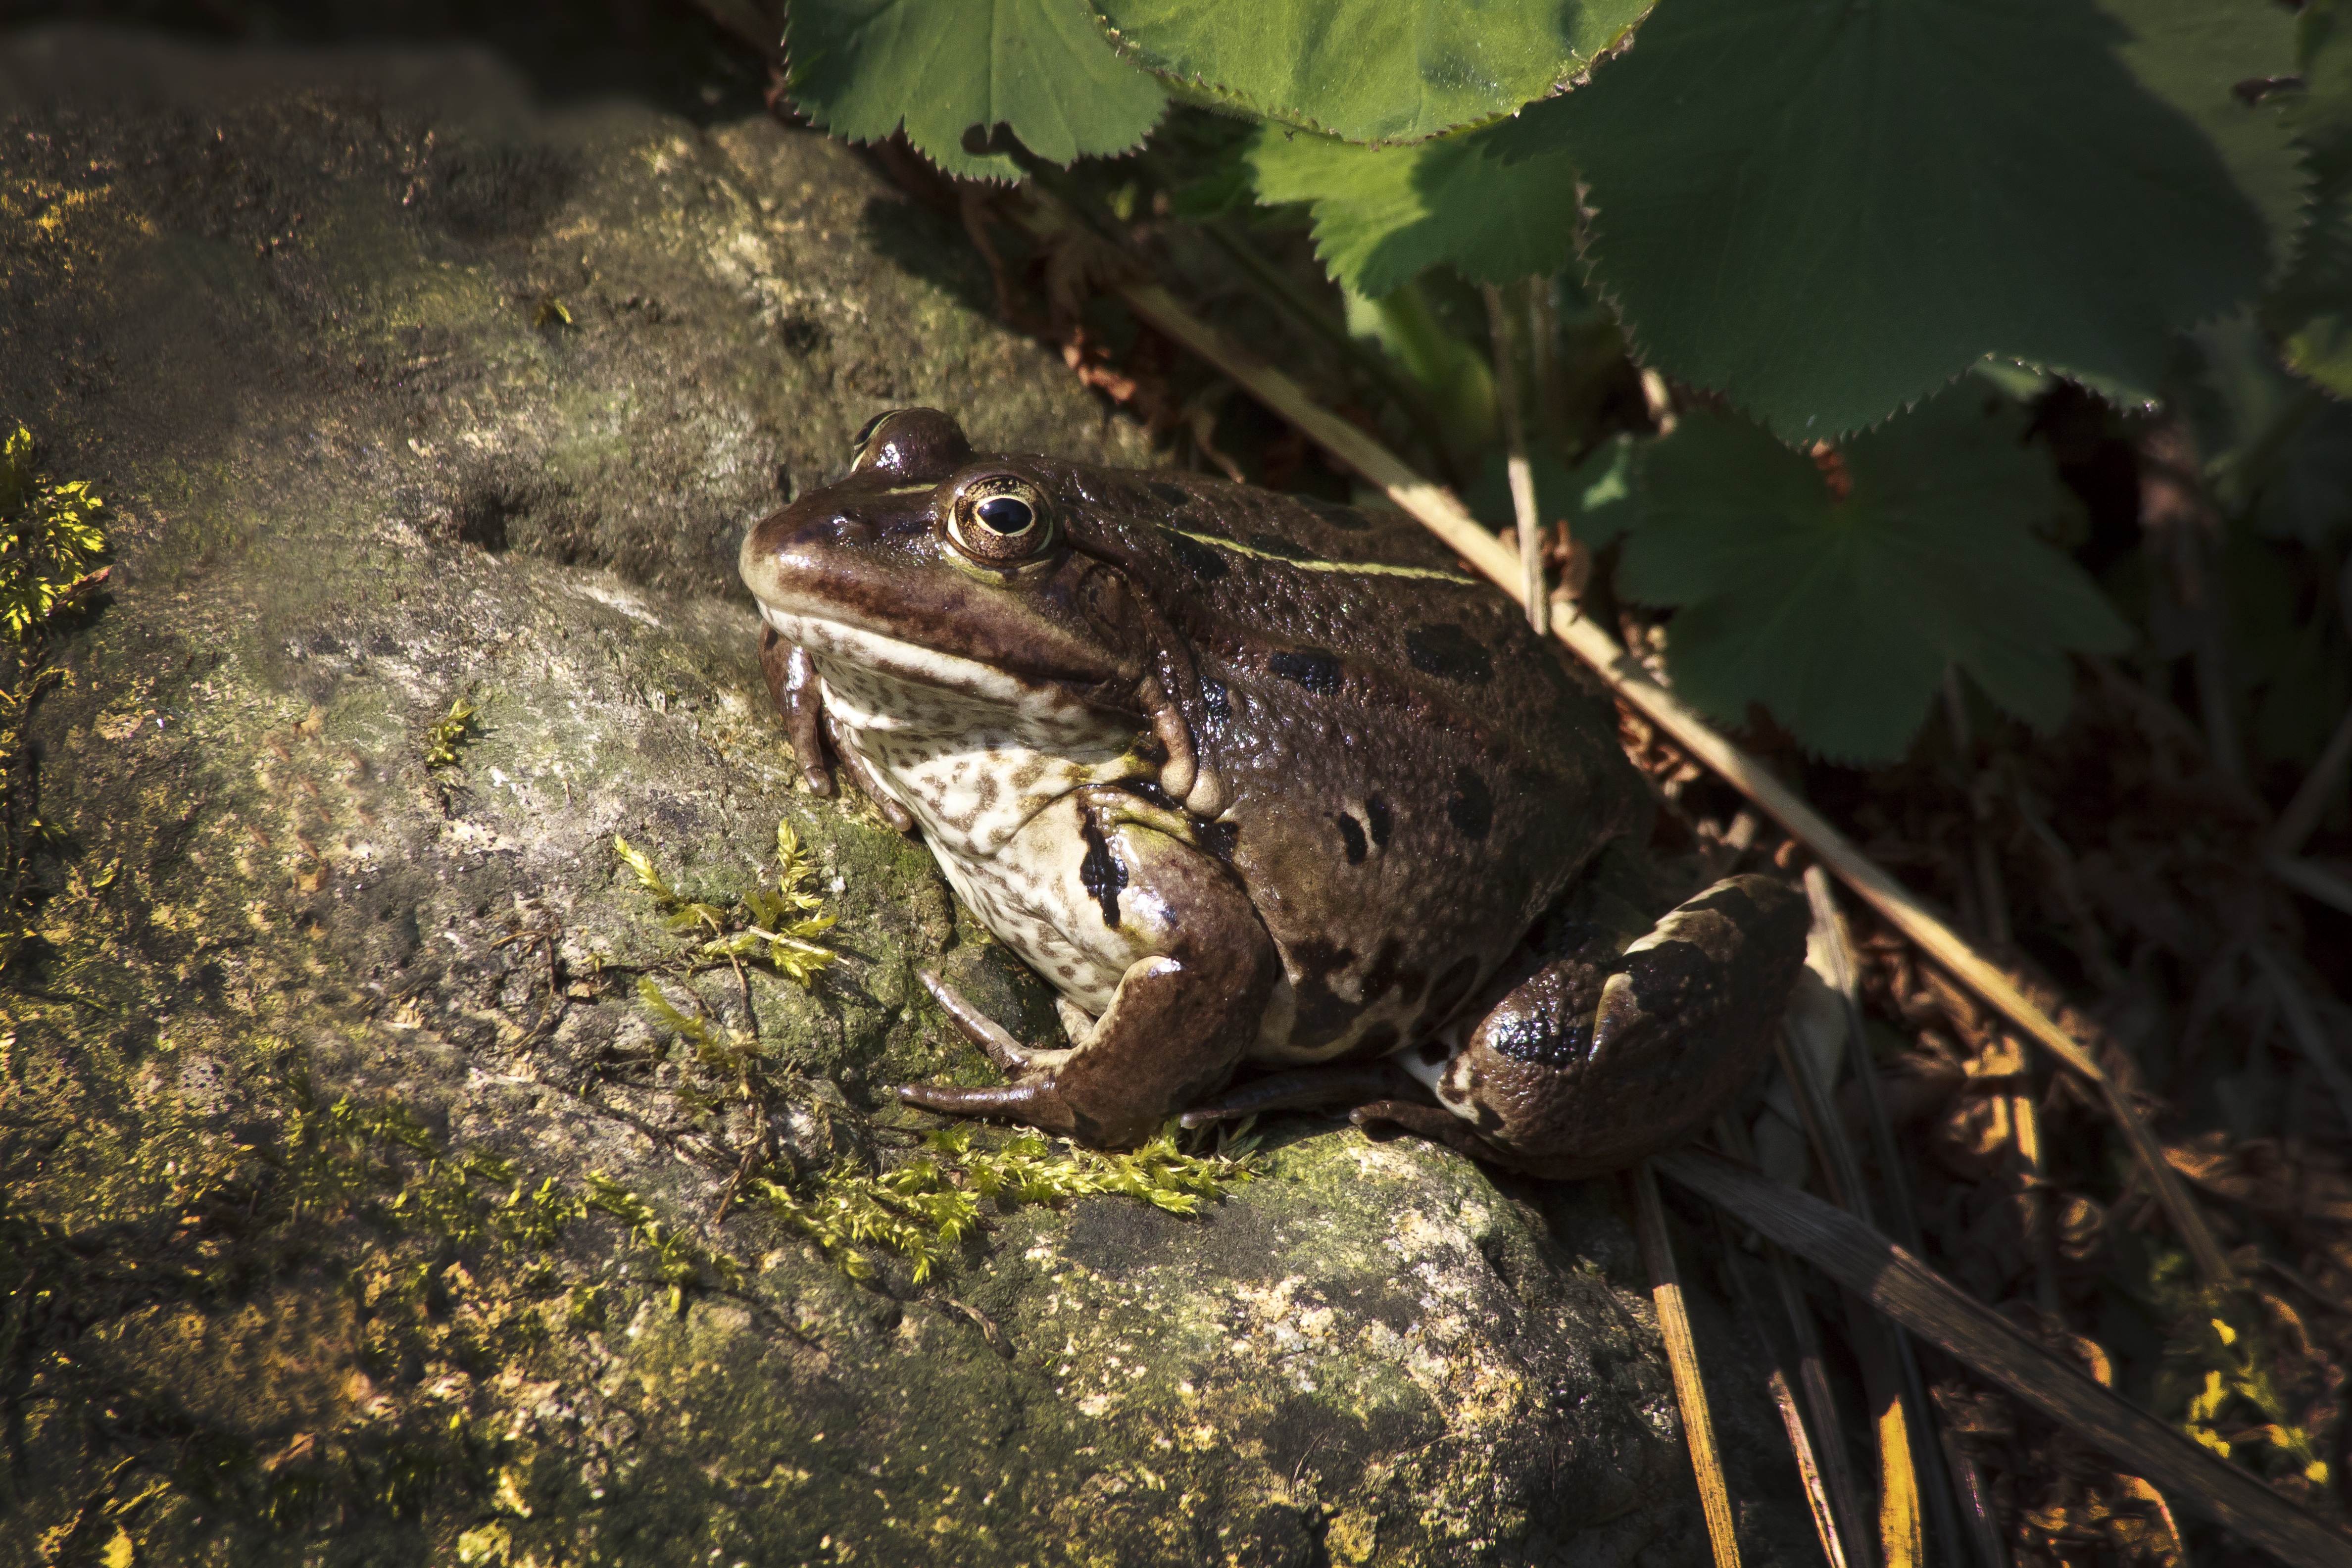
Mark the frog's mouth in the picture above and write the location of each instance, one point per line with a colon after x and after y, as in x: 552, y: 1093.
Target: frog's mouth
x: 826, y: 639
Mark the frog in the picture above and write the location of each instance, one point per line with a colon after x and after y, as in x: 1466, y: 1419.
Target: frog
x: 1289, y: 808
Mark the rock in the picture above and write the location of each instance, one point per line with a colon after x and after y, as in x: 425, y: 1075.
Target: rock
x: 358, y: 1207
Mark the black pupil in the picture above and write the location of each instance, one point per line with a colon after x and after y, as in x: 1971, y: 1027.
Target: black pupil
x: 1006, y: 515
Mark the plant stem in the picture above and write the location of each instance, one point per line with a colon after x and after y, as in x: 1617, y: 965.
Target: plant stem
x: 1511, y: 401
x: 2183, y: 526
x: 1294, y: 302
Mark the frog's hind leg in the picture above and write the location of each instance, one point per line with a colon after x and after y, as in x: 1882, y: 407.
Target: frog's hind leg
x: 1434, y: 1122
x: 1599, y: 1058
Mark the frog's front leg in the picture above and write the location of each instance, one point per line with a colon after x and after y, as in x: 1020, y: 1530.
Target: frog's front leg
x: 1189, y: 1004
x: 794, y: 683
x: 1599, y: 1057
x: 799, y: 698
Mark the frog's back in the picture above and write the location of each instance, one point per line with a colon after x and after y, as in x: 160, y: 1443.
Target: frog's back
x: 1319, y: 592
x: 1413, y: 775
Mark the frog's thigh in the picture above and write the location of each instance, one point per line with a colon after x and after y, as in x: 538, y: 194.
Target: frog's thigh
x: 1590, y: 1066
x: 1185, y: 1012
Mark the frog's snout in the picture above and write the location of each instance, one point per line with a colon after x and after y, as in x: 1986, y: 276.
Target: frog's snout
x: 808, y: 549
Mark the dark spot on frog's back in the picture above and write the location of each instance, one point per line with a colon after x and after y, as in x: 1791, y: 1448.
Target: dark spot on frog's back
x: 1351, y: 835
x: 1311, y: 668
x: 1377, y: 818
x: 1323, y: 1013
x: 1200, y: 559
x: 1471, y: 807
x: 1446, y: 650
x: 1172, y: 494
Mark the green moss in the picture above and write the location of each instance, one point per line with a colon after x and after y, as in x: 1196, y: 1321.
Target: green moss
x: 921, y: 1208
x: 679, y: 1261
x: 926, y: 1205
x: 455, y: 729
x: 50, y: 544
x: 795, y: 912
x: 50, y: 538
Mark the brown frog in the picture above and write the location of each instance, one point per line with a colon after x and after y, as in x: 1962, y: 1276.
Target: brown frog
x: 1255, y: 780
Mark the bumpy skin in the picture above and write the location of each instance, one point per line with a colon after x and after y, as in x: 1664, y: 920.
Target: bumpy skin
x: 1251, y: 778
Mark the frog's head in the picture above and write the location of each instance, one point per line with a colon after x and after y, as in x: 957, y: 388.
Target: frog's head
x: 934, y: 564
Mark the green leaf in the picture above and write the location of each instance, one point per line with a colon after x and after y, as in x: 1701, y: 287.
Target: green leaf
x: 1370, y: 70
x: 2196, y: 55
x: 1840, y: 615
x: 2313, y: 308
x: 1383, y: 213
x: 1043, y: 68
x: 1596, y: 495
x: 1829, y: 211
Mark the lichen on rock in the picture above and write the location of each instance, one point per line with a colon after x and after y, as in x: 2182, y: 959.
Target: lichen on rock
x: 355, y: 1207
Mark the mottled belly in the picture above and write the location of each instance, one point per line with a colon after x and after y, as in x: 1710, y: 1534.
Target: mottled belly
x: 1031, y: 894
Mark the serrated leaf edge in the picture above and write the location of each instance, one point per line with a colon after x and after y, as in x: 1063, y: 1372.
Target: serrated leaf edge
x: 1220, y: 94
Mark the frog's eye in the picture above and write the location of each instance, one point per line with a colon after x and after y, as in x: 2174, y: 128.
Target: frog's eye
x: 999, y: 520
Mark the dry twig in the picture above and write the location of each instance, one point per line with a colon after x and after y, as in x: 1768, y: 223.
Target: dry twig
x: 1682, y: 1356
x: 1922, y: 1300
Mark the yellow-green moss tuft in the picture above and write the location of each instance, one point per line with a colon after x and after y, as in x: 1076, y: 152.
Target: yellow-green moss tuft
x: 50, y: 538
x: 50, y: 544
x: 455, y: 729
x: 929, y: 1204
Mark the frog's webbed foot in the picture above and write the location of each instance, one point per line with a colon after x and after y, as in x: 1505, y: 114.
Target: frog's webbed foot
x: 1116, y: 1091
x: 1032, y: 1097
x: 1372, y: 1095
x: 1436, y: 1123
x: 897, y: 816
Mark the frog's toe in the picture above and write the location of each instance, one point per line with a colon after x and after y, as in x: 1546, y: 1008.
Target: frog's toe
x: 897, y: 816
x: 985, y: 1032
x: 1035, y: 1101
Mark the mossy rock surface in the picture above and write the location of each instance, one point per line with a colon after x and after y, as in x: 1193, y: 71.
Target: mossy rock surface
x: 403, y: 391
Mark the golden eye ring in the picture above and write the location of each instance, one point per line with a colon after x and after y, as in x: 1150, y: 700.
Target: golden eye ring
x: 999, y: 520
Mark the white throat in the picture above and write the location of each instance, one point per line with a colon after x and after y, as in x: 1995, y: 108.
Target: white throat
x: 974, y: 753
